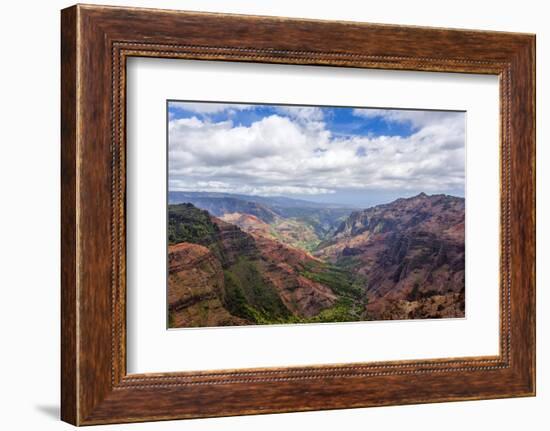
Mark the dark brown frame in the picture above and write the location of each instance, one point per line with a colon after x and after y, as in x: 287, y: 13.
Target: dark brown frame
x: 95, y: 43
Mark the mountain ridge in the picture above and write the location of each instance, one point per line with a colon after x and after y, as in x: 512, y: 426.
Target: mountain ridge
x: 175, y: 196
x: 399, y: 260
x: 283, y: 214
x: 250, y: 278
x: 412, y: 253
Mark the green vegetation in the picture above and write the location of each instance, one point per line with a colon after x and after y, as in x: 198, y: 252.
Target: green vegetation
x: 295, y: 233
x: 348, y: 286
x: 248, y: 294
x: 341, y: 281
x: 187, y: 223
x: 322, y: 220
x: 348, y: 263
x: 250, y: 297
x: 345, y: 310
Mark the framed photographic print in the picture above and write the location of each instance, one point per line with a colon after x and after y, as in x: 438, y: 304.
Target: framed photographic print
x: 259, y: 217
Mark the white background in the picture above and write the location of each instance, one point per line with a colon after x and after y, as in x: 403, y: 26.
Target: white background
x: 29, y: 227
x: 151, y: 348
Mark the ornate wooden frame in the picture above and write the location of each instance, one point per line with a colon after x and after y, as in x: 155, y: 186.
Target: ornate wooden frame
x: 96, y: 41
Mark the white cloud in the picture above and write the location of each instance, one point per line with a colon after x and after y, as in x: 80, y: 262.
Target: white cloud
x: 208, y: 107
x: 222, y: 187
x: 296, y: 154
x: 417, y: 118
x: 302, y: 113
x: 223, y: 144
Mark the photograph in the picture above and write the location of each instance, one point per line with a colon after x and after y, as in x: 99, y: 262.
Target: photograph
x: 295, y: 214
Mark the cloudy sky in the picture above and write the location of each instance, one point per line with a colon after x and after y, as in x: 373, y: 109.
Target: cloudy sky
x: 351, y: 156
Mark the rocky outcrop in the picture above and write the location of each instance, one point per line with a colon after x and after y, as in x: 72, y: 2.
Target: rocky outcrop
x: 232, y: 243
x: 219, y: 206
x: 249, y: 223
x: 221, y: 275
x: 408, y: 250
x: 321, y: 219
x: 450, y: 305
x: 283, y: 267
x: 196, y: 288
x: 403, y: 260
x: 287, y: 231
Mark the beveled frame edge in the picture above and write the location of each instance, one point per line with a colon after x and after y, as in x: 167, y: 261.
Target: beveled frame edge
x: 95, y: 43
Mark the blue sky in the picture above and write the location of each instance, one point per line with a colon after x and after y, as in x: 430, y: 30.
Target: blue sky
x: 340, y: 121
x: 354, y: 156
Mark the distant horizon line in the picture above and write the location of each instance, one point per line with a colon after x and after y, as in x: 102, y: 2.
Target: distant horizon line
x: 287, y: 197
x: 303, y: 199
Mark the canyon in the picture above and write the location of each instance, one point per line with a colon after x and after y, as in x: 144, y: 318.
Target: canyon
x: 249, y: 260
